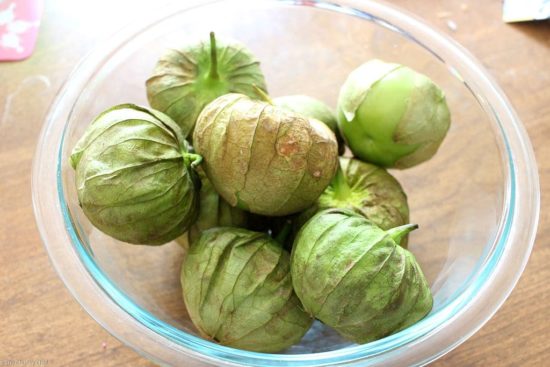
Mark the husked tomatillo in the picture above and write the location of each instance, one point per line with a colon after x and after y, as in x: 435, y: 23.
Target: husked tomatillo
x: 352, y: 275
x: 134, y: 176
x: 238, y: 292
x: 187, y: 78
x: 391, y: 115
x: 263, y: 158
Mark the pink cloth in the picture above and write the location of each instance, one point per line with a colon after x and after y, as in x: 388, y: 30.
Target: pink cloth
x: 19, y: 21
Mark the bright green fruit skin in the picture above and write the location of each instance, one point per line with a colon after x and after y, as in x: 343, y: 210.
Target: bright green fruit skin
x: 214, y: 211
x: 238, y: 292
x: 183, y: 81
x: 133, y: 176
x: 370, y: 191
x: 351, y: 275
x: 263, y: 158
x: 391, y: 115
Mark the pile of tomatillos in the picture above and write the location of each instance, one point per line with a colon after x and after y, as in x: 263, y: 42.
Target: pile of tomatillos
x: 284, y: 224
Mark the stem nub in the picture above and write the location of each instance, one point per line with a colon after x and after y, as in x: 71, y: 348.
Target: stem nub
x: 192, y: 159
x: 263, y: 95
x: 213, y: 57
x: 340, y: 185
x: 398, y: 233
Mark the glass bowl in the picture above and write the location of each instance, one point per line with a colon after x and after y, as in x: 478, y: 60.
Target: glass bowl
x: 476, y: 201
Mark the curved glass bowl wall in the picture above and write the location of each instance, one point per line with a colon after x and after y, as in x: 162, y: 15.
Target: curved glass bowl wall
x: 476, y: 201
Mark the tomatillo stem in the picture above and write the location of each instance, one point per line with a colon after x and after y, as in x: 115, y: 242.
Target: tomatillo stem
x: 213, y: 57
x: 263, y: 95
x: 192, y: 159
x: 398, y: 233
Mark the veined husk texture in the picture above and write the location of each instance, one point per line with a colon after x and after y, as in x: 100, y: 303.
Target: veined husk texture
x: 238, y: 291
x: 182, y: 82
x: 352, y: 276
x: 373, y: 193
x: 133, y: 176
x: 263, y: 158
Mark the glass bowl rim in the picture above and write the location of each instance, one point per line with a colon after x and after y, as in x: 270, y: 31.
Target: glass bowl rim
x: 207, y: 350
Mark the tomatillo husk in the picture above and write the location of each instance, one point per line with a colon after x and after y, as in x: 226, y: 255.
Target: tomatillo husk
x: 187, y: 78
x: 263, y: 158
x: 366, y: 189
x: 134, y: 176
x: 238, y: 292
x: 312, y: 108
x: 352, y: 275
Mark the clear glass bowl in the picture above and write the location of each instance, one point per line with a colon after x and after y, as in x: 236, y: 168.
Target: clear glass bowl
x: 476, y: 201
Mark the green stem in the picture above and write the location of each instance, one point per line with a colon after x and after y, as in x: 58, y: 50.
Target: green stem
x: 263, y: 95
x: 283, y: 233
x: 192, y: 159
x: 213, y: 74
x: 398, y: 233
x: 340, y: 185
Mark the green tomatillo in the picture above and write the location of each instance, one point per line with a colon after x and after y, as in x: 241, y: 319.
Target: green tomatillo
x: 366, y: 189
x: 134, y: 176
x: 188, y: 78
x: 312, y: 108
x: 352, y: 275
x: 391, y: 115
x: 263, y: 158
x: 238, y: 292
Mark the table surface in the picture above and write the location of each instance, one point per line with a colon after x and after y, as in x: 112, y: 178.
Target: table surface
x: 39, y: 319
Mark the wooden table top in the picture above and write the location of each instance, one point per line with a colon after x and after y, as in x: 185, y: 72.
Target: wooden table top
x: 39, y: 319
